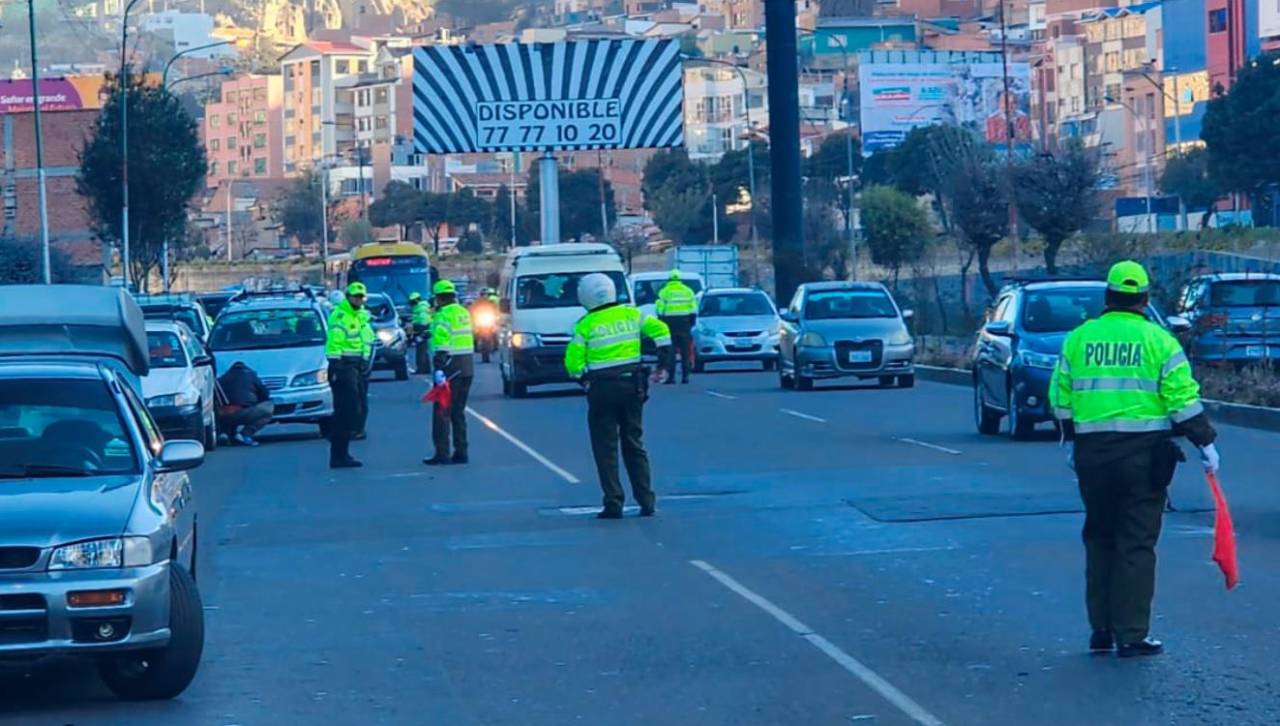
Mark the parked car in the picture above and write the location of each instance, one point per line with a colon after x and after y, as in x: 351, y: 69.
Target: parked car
x: 1234, y: 317
x: 98, y: 516
x: 845, y: 330
x: 391, y: 347
x: 179, y: 388
x: 214, y: 302
x: 1018, y: 347
x: 736, y: 324
x: 280, y: 334
x: 182, y: 307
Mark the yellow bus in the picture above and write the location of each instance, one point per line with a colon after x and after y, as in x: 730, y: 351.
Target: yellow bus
x: 395, y: 269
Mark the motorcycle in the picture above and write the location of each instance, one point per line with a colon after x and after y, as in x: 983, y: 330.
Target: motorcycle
x: 484, y: 320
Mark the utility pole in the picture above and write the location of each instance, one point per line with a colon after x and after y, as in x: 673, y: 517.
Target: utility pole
x: 1010, y: 130
x: 515, y: 159
x: 604, y: 208
x: 784, y: 152
x: 47, y: 272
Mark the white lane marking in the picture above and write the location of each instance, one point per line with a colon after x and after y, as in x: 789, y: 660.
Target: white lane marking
x: 718, y: 394
x: 927, y: 445
x: 870, y: 678
x: 582, y: 511
x: 804, y: 416
x: 524, y: 447
x: 888, y: 551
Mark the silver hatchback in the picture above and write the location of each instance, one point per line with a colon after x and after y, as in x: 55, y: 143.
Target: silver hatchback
x: 845, y: 330
x: 736, y: 324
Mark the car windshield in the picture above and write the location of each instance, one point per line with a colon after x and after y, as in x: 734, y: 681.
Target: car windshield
x: 746, y: 303
x: 271, y: 328
x: 852, y: 303
x: 214, y: 303
x: 559, y: 289
x: 165, y: 349
x: 1061, y: 310
x: 190, y: 316
x: 381, y: 309
x: 54, y: 427
x: 647, y: 290
x: 1245, y: 293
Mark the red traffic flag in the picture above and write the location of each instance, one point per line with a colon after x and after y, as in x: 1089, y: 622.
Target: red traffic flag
x: 1224, y: 535
x: 441, y: 395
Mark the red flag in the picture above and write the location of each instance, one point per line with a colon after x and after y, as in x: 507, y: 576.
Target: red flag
x: 1224, y: 535
x: 441, y: 395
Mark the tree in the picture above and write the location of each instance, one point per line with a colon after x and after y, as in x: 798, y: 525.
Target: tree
x: 825, y: 248
x: 895, y: 228
x: 433, y: 213
x: 1057, y: 194
x: 166, y: 168
x: 669, y: 169
x: 1187, y: 176
x: 579, y: 203
x: 1239, y: 129
x: 973, y: 186
x: 300, y: 209
x: 831, y: 159
x: 683, y: 214
x: 397, y: 206
x: 471, y: 242
x: 501, y: 225
x: 21, y: 264
x: 357, y: 232
x: 466, y: 210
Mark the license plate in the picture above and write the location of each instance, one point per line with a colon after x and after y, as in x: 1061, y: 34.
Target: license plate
x: 739, y: 346
x: 1253, y: 351
x: 859, y: 356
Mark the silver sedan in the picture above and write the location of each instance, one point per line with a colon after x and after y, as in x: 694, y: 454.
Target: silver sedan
x: 736, y: 324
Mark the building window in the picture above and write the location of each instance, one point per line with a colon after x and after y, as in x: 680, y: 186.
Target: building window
x: 213, y: 168
x: 381, y: 95
x: 231, y: 168
x: 362, y: 66
x: 230, y: 97
x: 290, y: 142
x: 259, y: 117
x: 380, y: 122
x: 1218, y: 20
x: 231, y: 119
x: 343, y: 66
x: 259, y: 141
x: 315, y: 69
x: 260, y: 165
x: 215, y: 122
x: 231, y: 142
x: 215, y: 144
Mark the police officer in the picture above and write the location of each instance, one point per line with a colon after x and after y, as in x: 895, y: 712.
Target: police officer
x: 345, y: 349
x: 453, y: 346
x: 605, y: 353
x: 420, y: 326
x: 1122, y: 389
x: 677, y: 306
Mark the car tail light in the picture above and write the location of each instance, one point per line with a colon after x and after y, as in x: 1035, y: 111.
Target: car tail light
x: 1217, y: 320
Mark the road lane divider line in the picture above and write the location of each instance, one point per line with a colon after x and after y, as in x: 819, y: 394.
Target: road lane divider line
x: 869, y: 677
x: 718, y: 394
x: 489, y: 424
x: 927, y: 445
x: 804, y: 416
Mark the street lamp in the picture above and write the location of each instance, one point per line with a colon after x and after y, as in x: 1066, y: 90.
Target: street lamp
x: 1146, y: 168
x: 1177, y: 124
x: 359, y: 159
x: 224, y: 71
x: 164, y: 75
x: 124, y: 143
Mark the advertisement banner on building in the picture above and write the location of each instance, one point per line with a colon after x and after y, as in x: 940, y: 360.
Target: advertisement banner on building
x: 1268, y: 18
x: 586, y: 94
x: 924, y: 88
x: 74, y: 93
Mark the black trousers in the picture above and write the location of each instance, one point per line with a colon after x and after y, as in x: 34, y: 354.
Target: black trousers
x: 454, y: 423
x: 614, y: 409
x: 1124, y: 505
x: 344, y: 381
x: 362, y: 415
x: 682, y: 339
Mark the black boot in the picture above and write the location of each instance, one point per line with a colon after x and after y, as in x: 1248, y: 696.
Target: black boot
x: 438, y: 460
x: 1146, y: 646
x: 1102, y: 642
x: 347, y: 463
x: 609, y: 514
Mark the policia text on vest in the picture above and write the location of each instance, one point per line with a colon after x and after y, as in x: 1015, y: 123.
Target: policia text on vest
x: 1121, y: 390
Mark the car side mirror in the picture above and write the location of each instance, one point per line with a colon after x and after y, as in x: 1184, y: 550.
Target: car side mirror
x: 180, y: 455
x: 908, y: 314
x: 504, y: 306
x: 202, y: 360
x: 789, y: 316
x: 1002, y: 328
x: 1178, y: 324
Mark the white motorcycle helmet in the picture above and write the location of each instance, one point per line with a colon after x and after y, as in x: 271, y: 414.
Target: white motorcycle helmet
x: 596, y: 290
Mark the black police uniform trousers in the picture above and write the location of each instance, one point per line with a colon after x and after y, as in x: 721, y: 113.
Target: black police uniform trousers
x: 682, y: 339
x: 344, y: 382
x: 614, y: 408
x: 1124, y: 501
x: 362, y: 415
x: 451, y: 426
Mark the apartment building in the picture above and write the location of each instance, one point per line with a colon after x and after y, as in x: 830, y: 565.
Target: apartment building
x: 716, y: 109
x: 242, y: 130
x: 317, y: 118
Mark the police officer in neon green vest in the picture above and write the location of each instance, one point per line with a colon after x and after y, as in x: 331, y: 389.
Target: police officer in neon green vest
x: 1122, y: 390
x: 677, y: 306
x: 453, y: 349
x: 605, y: 354
x: 346, y: 346
x: 420, y: 328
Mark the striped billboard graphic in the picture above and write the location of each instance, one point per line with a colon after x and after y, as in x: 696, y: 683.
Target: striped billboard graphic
x: 583, y: 94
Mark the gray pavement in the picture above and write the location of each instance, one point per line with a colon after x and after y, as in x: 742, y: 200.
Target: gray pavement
x: 846, y: 555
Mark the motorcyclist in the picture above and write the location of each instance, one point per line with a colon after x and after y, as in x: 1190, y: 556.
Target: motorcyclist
x: 484, y: 316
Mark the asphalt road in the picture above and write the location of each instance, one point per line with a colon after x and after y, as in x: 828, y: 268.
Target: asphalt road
x: 831, y: 557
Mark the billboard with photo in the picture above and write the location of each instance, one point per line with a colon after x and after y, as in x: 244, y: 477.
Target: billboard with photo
x: 901, y: 90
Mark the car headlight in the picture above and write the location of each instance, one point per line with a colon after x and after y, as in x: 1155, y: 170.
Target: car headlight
x: 103, y: 553
x: 811, y: 340
x: 1038, y: 360
x: 185, y: 398
x: 311, y: 378
x: 901, y: 337
x: 524, y: 340
x: 387, y: 336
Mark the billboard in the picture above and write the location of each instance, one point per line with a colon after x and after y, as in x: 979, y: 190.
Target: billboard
x: 1268, y: 18
x: 583, y: 94
x: 906, y: 89
x: 74, y: 93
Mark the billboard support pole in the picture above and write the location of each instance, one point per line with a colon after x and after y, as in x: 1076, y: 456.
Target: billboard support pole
x: 46, y: 270
x: 784, y: 147
x: 549, y: 198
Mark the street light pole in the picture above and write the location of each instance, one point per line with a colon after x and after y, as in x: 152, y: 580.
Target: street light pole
x: 46, y: 270
x: 1177, y: 127
x: 123, y: 77
x: 164, y: 75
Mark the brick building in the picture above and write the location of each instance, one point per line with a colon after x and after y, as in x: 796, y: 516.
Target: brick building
x: 242, y: 130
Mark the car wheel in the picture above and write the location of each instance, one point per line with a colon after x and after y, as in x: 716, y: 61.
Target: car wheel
x: 908, y: 381
x: 769, y: 364
x: 803, y: 383
x: 519, y: 390
x: 402, y: 370
x: 699, y: 366
x: 163, y: 673
x: 1019, y: 428
x: 987, y: 420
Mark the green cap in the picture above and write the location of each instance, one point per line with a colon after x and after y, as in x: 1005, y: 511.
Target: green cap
x: 357, y: 289
x: 415, y: 297
x: 444, y: 287
x: 1128, y: 276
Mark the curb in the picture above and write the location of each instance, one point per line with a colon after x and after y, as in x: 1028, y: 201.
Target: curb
x: 1236, y: 414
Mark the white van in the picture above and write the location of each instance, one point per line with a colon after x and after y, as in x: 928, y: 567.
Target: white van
x: 540, y: 306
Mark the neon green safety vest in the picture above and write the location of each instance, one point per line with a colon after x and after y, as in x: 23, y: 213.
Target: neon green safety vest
x: 420, y: 314
x: 610, y: 337
x: 676, y: 299
x: 1122, y: 373
x: 451, y: 331
x: 366, y: 333
x: 345, y: 338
